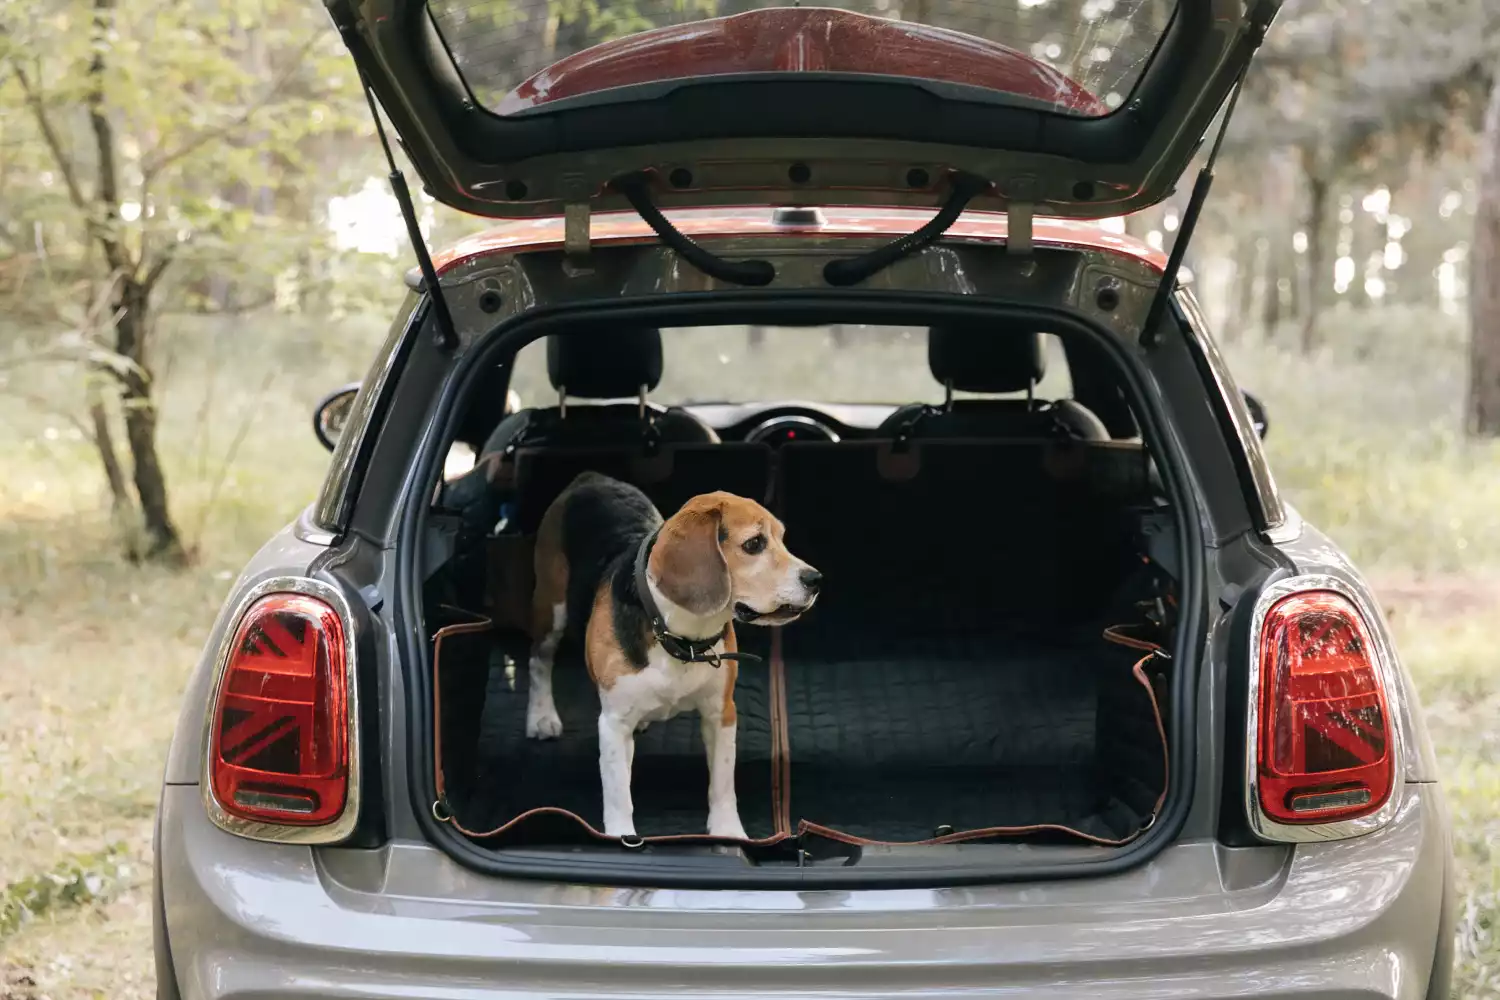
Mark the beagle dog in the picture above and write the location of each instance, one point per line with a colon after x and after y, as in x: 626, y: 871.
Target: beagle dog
x: 655, y: 602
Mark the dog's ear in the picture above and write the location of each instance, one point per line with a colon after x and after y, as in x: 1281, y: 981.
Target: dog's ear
x: 686, y: 560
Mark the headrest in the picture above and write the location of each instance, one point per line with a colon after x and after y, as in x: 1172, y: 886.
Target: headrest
x: 611, y: 364
x: 975, y: 359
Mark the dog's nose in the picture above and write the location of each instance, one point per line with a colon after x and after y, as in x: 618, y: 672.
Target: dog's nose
x: 811, y: 579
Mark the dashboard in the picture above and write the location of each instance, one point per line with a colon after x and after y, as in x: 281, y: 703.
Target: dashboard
x: 776, y: 424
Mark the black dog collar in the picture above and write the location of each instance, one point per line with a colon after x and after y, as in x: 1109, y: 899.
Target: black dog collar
x: 678, y: 647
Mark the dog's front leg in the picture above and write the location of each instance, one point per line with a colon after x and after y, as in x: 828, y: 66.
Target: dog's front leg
x: 719, y: 742
x: 616, y: 753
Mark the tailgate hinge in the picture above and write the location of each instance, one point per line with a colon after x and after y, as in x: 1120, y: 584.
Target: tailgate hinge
x: 576, y: 217
x: 1018, y: 233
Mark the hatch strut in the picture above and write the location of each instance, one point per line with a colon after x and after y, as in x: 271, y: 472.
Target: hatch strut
x: 447, y: 335
x: 1189, y: 222
x: 636, y: 189
x: 856, y: 269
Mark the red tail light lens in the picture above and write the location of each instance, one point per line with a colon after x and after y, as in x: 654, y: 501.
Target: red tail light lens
x: 280, y: 736
x: 1325, y: 731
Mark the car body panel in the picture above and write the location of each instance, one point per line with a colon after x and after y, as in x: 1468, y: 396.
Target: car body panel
x: 1349, y: 919
x: 799, y: 120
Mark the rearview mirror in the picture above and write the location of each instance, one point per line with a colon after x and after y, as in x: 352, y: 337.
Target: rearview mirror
x: 1257, y: 414
x: 332, y: 413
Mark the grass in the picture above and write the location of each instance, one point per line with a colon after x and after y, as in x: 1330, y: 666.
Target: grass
x: 1365, y: 440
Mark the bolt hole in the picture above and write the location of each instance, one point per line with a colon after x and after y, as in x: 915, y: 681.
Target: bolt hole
x: 680, y: 178
x: 1084, y: 190
x: 916, y: 177
x: 1108, y: 299
x: 490, y: 300
x: 799, y: 173
x: 515, y: 190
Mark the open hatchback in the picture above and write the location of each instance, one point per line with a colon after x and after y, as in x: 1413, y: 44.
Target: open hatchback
x: 1001, y: 676
x: 1073, y: 108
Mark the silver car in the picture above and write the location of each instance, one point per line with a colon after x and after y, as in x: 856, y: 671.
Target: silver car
x: 1085, y: 709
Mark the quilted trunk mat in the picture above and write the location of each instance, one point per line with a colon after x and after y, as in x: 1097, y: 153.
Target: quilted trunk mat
x: 889, y: 740
x: 669, y: 784
x: 903, y: 741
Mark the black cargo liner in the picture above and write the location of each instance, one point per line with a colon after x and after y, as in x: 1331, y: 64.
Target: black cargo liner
x: 975, y: 737
x: 550, y: 858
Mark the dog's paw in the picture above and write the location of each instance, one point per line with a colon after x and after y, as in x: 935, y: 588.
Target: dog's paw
x: 728, y: 827
x: 543, y: 724
x: 642, y: 726
x: 619, y: 828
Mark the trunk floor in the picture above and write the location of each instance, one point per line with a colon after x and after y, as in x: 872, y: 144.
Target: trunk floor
x: 891, y: 739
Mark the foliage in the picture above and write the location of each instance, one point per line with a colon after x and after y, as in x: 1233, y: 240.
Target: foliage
x: 77, y: 881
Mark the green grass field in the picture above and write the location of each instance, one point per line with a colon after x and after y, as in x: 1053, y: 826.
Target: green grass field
x: 1364, y: 440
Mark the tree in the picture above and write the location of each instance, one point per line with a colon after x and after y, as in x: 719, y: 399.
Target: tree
x: 159, y: 136
x: 1484, y: 284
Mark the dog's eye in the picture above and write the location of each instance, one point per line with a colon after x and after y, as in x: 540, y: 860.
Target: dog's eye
x: 756, y: 545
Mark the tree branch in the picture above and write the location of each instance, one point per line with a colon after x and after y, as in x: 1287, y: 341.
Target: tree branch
x: 104, y: 142
x: 153, y: 165
x: 49, y: 136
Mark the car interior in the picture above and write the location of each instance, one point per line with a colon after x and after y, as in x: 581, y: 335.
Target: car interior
x: 953, y: 684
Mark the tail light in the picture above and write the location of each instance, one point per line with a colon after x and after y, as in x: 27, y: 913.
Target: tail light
x: 1326, y: 745
x: 280, y: 734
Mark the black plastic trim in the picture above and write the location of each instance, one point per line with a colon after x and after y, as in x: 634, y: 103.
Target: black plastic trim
x: 1440, y: 980
x: 161, y: 946
x: 370, y: 828
x: 1239, y: 455
x: 335, y: 503
x: 1234, y: 825
x: 649, y: 868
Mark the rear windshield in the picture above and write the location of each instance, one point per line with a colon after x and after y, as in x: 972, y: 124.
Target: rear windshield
x: 838, y: 364
x: 1076, y: 56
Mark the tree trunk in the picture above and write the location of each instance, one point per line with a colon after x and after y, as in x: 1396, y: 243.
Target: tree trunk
x: 119, y: 493
x: 1315, y: 227
x: 163, y: 543
x: 1271, y: 305
x: 1484, y: 284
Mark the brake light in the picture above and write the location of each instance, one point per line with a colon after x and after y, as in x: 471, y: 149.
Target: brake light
x: 279, y: 743
x: 1325, y: 741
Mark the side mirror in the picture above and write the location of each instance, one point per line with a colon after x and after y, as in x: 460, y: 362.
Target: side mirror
x: 1258, y: 416
x: 332, y: 413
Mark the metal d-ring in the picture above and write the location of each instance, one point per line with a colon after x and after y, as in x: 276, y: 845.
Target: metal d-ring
x: 440, y: 811
x: 632, y: 842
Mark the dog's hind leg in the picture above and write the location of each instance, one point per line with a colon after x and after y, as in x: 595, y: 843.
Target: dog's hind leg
x: 542, y: 720
x: 549, y: 615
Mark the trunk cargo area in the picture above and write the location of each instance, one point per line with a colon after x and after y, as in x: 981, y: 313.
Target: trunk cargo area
x: 953, y: 683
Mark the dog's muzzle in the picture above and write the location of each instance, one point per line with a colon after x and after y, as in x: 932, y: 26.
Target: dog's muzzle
x: 776, y: 616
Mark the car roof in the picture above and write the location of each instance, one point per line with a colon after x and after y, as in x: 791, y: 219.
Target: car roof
x: 624, y: 228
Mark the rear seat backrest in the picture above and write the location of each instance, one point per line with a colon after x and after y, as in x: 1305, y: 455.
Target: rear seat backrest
x: 962, y: 533
x: 670, y: 477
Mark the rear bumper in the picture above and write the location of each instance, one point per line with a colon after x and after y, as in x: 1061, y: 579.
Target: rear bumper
x: 1354, y: 919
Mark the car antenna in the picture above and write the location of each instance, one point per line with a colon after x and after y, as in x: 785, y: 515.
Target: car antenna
x: 1189, y: 223
x: 447, y: 336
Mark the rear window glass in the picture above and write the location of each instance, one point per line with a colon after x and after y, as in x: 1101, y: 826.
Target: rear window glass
x: 844, y: 364
x: 1078, y: 56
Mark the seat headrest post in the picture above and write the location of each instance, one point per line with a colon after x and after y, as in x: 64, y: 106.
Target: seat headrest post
x: 562, y: 402
x: 641, y: 399
x: 947, y: 395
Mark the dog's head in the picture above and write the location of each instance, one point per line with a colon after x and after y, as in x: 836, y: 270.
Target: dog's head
x: 721, y: 552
